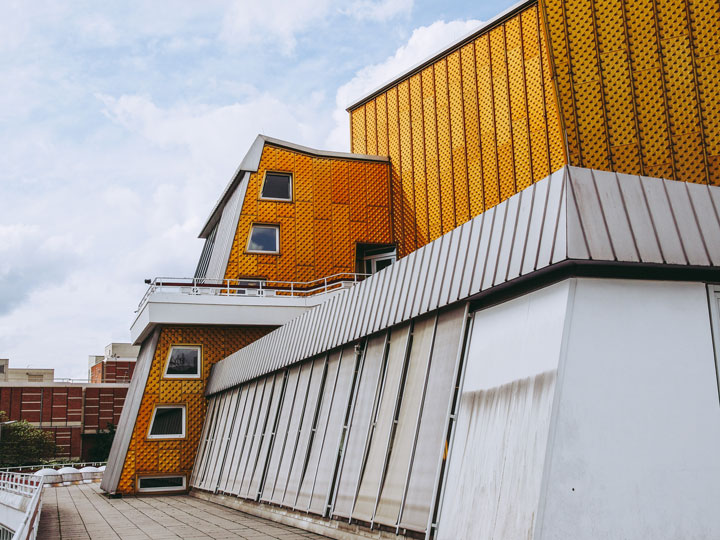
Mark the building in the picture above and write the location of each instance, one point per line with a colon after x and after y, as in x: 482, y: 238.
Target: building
x: 8, y: 374
x: 117, y: 365
x: 74, y: 412
x: 541, y: 360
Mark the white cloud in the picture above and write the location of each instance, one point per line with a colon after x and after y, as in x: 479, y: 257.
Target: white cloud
x: 379, y: 10
x: 423, y: 43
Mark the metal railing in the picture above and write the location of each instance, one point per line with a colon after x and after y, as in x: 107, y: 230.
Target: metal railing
x: 33, y: 468
x: 250, y: 287
x: 30, y: 486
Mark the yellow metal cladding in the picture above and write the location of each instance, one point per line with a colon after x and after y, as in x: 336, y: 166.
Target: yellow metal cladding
x: 638, y: 84
x: 148, y: 457
x: 467, y: 131
x: 336, y: 204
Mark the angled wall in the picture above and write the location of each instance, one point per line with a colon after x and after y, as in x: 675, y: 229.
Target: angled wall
x: 638, y: 85
x: 336, y: 204
x: 467, y: 130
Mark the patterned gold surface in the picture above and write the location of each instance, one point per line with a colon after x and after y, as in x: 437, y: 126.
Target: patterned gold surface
x: 638, y: 84
x: 146, y: 456
x: 466, y: 132
x: 334, y: 201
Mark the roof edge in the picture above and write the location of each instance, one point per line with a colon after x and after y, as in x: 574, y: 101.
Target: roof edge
x: 486, y: 26
x: 251, y: 162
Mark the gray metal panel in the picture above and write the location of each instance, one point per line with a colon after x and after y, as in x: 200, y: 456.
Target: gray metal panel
x: 226, y: 230
x: 128, y: 416
x: 261, y: 465
x: 641, y: 224
x: 574, y: 213
x: 255, y: 432
x: 667, y: 234
x: 245, y: 433
x: 233, y: 454
x: 707, y: 218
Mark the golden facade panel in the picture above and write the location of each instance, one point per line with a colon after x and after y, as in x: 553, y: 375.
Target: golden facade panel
x: 153, y: 456
x: 467, y: 131
x: 638, y: 84
x: 317, y: 235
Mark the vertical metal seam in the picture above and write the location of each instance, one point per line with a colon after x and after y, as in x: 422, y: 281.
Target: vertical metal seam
x: 601, y: 77
x: 652, y: 220
x: 464, y: 131
x: 437, y: 149
x: 452, y: 161
x: 494, y: 119
x: 627, y: 215
x: 571, y: 189
x: 602, y: 214
x: 675, y: 221
x: 514, y: 234
x: 636, y: 117
x: 412, y: 166
x: 572, y: 84
x: 664, y: 87
x: 527, y: 228
x: 510, y: 111
x: 543, y: 95
x: 479, y: 127
x: 697, y: 91
x: 424, y: 150
x: 527, y: 106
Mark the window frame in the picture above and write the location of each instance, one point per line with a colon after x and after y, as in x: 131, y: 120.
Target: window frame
x: 197, y: 346
x: 161, y: 489
x: 173, y: 437
x: 275, y: 199
x: 277, y: 239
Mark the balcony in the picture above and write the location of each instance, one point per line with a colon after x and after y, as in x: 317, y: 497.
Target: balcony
x: 231, y: 301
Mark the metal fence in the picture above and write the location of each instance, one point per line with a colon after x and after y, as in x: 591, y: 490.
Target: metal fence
x: 33, y: 468
x: 250, y: 287
x: 29, y: 486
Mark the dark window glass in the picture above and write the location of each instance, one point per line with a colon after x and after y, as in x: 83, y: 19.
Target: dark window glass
x: 184, y: 361
x: 277, y: 186
x: 168, y: 421
x: 263, y: 238
x: 167, y: 482
x: 382, y: 263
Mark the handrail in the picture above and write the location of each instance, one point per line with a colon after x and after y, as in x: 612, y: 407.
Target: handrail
x: 37, y: 467
x: 251, y: 287
x: 25, y: 485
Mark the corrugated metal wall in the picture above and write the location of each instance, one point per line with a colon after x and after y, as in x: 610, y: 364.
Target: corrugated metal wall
x: 357, y: 432
x: 638, y: 84
x: 337, y: 202
x: 466, y: 132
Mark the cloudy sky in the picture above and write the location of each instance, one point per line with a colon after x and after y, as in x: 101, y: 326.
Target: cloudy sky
x: 121, y: 122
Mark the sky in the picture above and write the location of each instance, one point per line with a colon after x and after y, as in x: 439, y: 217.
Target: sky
x: 121, y: 123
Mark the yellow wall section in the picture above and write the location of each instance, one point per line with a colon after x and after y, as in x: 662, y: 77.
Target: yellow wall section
x: 466, y: 132
x: 638, y: 83
x: 177, y: 456
x: 337, y: 203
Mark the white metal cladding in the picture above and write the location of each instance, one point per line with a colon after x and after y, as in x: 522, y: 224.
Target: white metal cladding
x: 358, y: 432
x: 118, y: 452
x: 225, y: 233
x: 574, y: 213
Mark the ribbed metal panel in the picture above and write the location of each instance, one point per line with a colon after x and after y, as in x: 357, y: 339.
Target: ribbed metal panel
x: 574, y: 213
x: 225, y: 231
x: 202, y: 266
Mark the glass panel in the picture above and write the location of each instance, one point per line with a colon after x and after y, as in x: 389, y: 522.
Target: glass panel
x: 303, y: 500
x: 388, y: 509
x: 353, y: 460
x: 292, y: 434
x: 184, y: 362
x: 168, y: 422
x: 277, y: 186
x: 375, y: 467
x: 431, y: 435
x: 308, y: 421
x: 333, y: 434
x: 278, y: 443
x: 263, y: 238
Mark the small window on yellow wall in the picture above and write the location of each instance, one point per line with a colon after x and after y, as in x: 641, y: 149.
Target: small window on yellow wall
x: 184, y: 362
x: 168, y: 422
x: 264, y: 239
x: 277, y: 187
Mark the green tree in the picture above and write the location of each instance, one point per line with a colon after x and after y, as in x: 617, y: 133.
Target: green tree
x: 23, y: 444
x: 103, y: 442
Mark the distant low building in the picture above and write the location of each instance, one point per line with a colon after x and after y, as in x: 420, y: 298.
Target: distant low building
x: 117, y: 365
x: 8, y: 374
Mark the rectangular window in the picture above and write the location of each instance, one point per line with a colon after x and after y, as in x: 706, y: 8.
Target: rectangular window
x: 161, y: 483
x: 184, y: 362
x: 277, y: 187
x: 264, y: 239
x: 168, y: 422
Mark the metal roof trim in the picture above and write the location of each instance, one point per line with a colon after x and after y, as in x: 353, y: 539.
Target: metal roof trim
x: 458, y: 43
x: 573, y: 214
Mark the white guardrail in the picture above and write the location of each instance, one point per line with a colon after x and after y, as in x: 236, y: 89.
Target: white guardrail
x: 250, y: 287
x: 27, y: 490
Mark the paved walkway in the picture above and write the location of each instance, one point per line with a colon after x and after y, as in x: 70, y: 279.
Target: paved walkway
x: 83, y: 512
